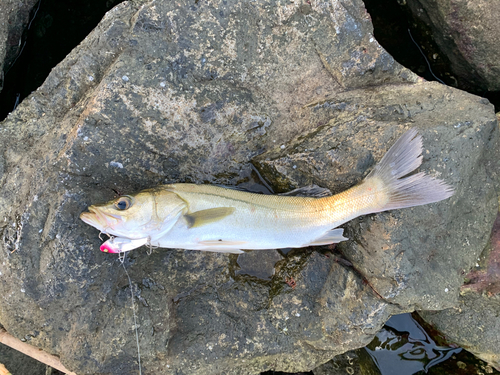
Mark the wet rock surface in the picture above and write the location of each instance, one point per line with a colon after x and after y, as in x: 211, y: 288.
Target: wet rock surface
x: 162, y: 92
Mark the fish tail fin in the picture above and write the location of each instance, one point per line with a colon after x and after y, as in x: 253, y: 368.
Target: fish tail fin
x: 396, y: 191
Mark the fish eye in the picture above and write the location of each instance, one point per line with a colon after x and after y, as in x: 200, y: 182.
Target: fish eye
x: 123, y: 203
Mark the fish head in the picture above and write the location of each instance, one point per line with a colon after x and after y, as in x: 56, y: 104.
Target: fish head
x: 138, y: 216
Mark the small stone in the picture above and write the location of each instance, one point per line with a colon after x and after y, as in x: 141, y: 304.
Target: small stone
x: 116, y: 164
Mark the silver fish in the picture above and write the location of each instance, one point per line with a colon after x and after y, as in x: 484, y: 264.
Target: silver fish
x: 212, y: 218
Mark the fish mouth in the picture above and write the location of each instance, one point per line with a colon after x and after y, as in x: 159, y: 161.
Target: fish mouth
x: 97, y: 219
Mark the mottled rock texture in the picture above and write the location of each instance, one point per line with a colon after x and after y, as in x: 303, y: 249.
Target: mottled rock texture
x: 195, y: 92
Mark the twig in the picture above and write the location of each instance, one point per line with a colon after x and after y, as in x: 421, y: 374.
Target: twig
x: 3, y: 370
x: 33, y: 352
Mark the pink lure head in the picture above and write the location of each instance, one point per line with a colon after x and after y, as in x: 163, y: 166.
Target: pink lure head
x: 117, y: 245
x: 106, y: 248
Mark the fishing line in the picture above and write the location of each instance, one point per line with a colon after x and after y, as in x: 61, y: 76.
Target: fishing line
x: 122, y: 261
x: 425, y: 57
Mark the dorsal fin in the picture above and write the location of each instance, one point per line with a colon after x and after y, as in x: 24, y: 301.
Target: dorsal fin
x: 308, y: 191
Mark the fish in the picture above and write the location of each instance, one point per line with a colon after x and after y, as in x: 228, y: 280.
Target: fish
x: 213, y: 218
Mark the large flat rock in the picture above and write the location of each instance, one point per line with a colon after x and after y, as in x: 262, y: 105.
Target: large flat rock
x: 176, y: 91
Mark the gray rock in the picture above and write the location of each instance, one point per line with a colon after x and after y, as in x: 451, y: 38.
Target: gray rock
x: 475, y: 322
x: 258, y: 264
x: 176, y: 91
x: 353, y: 362
x: 467, y: 32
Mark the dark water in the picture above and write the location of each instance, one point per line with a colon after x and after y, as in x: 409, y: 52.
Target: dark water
x: 403, y: 347
x: 56, y: 28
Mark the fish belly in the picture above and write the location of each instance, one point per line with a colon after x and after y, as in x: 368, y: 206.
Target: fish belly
x: 238, y: 231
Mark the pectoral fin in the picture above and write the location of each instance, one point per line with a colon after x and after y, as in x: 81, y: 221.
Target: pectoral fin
x: 199, y: 218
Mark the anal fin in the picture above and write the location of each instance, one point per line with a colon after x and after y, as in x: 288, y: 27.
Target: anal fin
x: 329, y: 237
